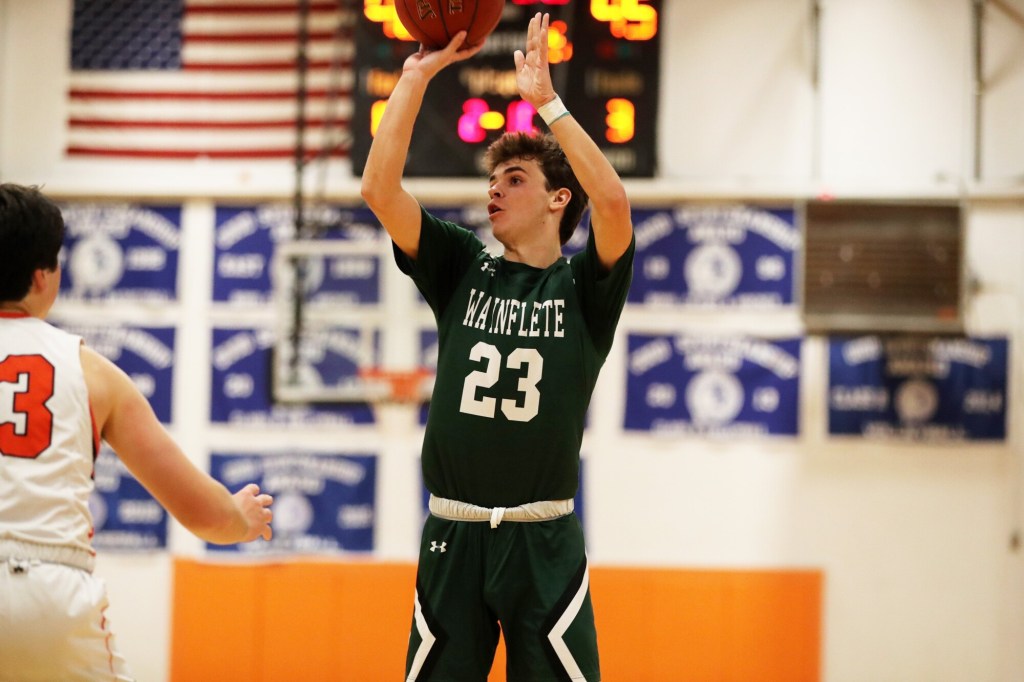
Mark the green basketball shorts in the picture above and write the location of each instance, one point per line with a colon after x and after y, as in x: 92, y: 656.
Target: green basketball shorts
x: 527, y: 580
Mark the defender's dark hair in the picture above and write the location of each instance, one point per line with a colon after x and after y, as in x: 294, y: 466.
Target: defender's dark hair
x: 545, y: 150
x: 31, y: 234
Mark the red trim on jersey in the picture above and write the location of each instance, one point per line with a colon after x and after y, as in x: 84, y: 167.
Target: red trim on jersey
x: 95, y: 456
x: 12, y: 314
x: 95, y: 434
x: 106, y: 640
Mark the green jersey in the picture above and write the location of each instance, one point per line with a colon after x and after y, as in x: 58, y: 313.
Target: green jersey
x: 519, y: 351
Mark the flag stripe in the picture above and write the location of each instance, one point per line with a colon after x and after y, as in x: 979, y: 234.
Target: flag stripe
x: 197, y: 153
x: 191, y: 96
x: 250, y: 8
x: 203, y: 125
x: 101, y: 113
x: 212, y: 139
x: 177, y: 81
x: 258, y: 38
x: 236, y: 52
x: 283, y: 65
x: 252, y: 24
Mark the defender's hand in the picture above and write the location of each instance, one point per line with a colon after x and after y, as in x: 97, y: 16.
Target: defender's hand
x: 256, y: 511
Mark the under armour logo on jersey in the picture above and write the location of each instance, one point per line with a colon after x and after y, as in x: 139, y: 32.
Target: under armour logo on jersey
x: 489, y: 266
x: 434, y: 546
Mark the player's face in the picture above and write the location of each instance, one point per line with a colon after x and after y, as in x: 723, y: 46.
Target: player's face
x: 520, y: 202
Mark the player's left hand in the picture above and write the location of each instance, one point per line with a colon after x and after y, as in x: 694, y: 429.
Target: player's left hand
x: 533, y: 74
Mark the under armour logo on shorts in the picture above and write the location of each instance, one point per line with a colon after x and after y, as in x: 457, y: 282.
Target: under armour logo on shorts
x: 435, y: 546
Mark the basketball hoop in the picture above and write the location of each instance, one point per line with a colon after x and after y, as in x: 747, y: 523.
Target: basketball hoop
x: 396, y: 386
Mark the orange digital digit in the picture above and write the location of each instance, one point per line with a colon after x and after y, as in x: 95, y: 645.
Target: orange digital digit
x: 383, y: 12
x: 621, y: 120
x: 559, y: 47
x: 376, y: 112
x: 492, y: 120
x: 629, y: 19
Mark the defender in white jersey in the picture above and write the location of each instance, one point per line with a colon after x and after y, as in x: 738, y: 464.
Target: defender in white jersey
x: 58, y: 399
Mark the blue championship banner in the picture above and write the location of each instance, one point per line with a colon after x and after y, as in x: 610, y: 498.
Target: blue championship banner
x: 918, y: 388
x: 712, y: 386
x: 244, y: 243
x: 715, y: 255
x: 124, y: 515
x: 323, y: 503
x: 120, y: 252
x: 242, y: 392
x: 145, y: 354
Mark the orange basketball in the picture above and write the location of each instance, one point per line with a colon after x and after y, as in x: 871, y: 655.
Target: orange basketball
x: 434, y: 22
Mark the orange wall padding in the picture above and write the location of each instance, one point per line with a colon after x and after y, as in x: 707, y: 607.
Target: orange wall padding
x: 326, y: 620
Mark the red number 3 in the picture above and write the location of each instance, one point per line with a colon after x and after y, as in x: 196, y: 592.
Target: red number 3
x: 26, y: 423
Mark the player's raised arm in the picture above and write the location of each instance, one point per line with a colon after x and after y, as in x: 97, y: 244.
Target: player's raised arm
x: 204, y: 506
x: 396, y: 209
x: 610, y: 214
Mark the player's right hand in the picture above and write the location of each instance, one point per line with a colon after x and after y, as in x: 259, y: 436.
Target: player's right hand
x: 255, y: 508
x: 429, y: 62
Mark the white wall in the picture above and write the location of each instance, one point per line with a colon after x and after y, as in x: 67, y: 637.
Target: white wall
x: 921, y: 581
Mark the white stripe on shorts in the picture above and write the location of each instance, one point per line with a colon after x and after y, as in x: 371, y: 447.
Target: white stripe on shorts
x: 568, y: 616
x: 427, y: 641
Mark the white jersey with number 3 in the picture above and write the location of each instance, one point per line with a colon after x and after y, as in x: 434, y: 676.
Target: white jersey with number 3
x: 47, y: 440
x: 53, y: 623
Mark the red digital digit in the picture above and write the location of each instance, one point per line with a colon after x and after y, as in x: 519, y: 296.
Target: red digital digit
x: 477, y: 118
x: 470, y: 129
x: 26, y: 423
x: 520, y: 117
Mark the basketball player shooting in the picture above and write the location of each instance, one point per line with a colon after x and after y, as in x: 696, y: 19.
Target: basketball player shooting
x: 522, y: 338
x: 58, y: 399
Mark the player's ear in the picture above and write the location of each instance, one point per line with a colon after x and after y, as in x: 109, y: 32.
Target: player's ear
x: 38, y: 279
x: 42, y: 278
x: 561, y: 198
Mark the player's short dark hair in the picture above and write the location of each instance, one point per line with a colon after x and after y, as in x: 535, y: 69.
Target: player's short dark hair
x: 545, y: 150
x: 31, y: 234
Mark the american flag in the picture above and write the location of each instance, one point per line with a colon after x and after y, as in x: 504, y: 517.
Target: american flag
x: 185, y: 79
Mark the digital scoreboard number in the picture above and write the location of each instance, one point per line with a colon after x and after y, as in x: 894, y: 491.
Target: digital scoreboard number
x: 605, y: 59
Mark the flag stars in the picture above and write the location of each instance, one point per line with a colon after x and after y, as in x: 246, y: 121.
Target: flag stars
x: 97, y: 40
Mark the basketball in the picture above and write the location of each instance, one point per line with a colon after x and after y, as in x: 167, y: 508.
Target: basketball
x: 434, y: 22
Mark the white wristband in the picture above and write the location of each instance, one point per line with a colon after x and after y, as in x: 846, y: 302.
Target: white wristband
x: 552, y: 111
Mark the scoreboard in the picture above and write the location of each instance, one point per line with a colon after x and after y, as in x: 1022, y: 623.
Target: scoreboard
x: 605, y: 59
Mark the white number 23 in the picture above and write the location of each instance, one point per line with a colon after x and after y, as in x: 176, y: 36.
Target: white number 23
x: 484, y: 406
